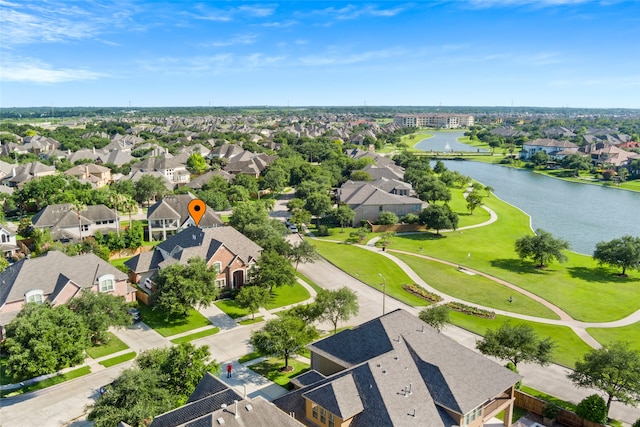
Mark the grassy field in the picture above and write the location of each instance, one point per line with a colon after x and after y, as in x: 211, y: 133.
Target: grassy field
x: 270, y: 369
x: 475, y: 289
x: 581, y: 288
x: 282, y: 296
x: 630, y: 334
x: 114, y: 345
x: 367, y: 267
x: 172, y: 326
x: 195, y: 336
x: 569, y: 347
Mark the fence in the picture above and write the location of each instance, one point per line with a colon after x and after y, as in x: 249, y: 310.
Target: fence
x: 564, y: 417
x: 397, y: 228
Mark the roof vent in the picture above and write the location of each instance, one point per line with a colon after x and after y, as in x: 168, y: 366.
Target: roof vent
x: 223, y: 406
x: 220, y: 420
x: 384, y: 371
x: 249, y: 407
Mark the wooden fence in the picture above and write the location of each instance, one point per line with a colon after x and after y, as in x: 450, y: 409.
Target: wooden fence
x: 397, y: 228
x: 564, y: 417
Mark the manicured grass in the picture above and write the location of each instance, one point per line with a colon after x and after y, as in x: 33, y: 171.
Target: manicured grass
x: 48, y: 382
x: 270, y: 369
x: 119, y: 263
x: 118, y: 359
x: 114, y: 345
x: 342, y: 235
x: 283, y: 295
x: 548, y: 398
x: 569, y: 347
x: 476, y: 289
x: 580, y: 287
x: 250, y: 321
x: 367, y: 266
x: 172, y: 326
x: 195, y: 336
x: 458, y: 204
x: 517, y: 414
x: 628, y: 334
x: 251, y: 356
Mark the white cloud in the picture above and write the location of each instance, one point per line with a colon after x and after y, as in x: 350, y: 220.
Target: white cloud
x: 34, y: 71
x: 350, y: 58
x: 239, y: 39
x: 230, y: 14
x: 351, y: 11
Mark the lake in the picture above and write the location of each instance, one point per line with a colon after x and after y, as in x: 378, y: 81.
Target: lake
x: 446, y: 142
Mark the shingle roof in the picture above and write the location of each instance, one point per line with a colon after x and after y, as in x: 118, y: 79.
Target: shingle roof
x: 177, y: 206
x: 340, y: 397
x: 44, y: 273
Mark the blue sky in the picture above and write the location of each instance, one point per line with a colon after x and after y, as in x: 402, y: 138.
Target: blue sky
x: 550, y: 53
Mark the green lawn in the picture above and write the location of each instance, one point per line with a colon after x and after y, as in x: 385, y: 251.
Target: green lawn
x: 548, y: 398
x: 251, y: 321
x: 48, y: 382
x: 569, y: 347
x: 581, y: 288
x: 118, y: 359
x: 114, y: 345
x: 628, y: 334
x: 172, y: 326
x: 282, y: 295
x: 476, y: 289
x: 119, y: 263
x: 367, y: 266
x: 195, y: 336
x: 270, y: 369
x: 251, y: 356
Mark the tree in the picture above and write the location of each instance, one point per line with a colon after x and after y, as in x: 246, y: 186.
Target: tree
x: 542, y: 248
x: 283, y: 337
x: 276, y: 178
x: 179, y: 287
x: 623, y: 252
x: 360, y: 175
x: 436, y: 316
x: 337, y: 305
x: 576, y: 163
x: 247, y: 181
x: 593, y: 408
x: 474, y: 200
x: 99, y: 312
x: 516, y: 343
x: 252, y: 298
x: 61, y: 340
x: 433, y: 190
x: 148, y: 188
x: 540, y: 158
x: 387, y: 218
x: 303, y: 252
x: 272, y: 270
x: 196, y: 163
x: 439, y: 218
x: 344, y: 215
x: 133, y: 236
x: 613, y: 369
x: 318, y: 204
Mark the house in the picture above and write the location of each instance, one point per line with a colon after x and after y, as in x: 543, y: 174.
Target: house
x: 200, y: 181
x: 402, y: 372
x: 115, y: 157
x: 8, y: 243
x: 612, y: 156
x: 26, y: 172
x: 230, y: 251
x: 214, y: 403
x: 368, y: 201
x: 249, y: 163
x: 56, y: 278
x: 65, y: 222
x: 96, y: 175
x: 174, y: 169
x: 170, y: 215
x: 550, y: 146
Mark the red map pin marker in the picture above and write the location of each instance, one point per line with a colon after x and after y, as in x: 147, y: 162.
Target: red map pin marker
x: 196, y: 209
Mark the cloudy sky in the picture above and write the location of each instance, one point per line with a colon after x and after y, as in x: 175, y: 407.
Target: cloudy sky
x: 550, y: 53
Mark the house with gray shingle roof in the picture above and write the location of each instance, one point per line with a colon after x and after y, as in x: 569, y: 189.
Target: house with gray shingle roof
x: 26, y: 172
x: 368, y: 201
x: 65, y: 223
x: 170, y: 215
x: 398, y: 371
x: 230, y: 251
x: 96, y: 175
x: 550, y: 146
x: 56, y: 278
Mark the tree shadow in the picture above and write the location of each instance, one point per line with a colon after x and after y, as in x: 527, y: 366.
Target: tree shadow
x: 422, y: 236
x: 516, y: 265
x: 600, y: 275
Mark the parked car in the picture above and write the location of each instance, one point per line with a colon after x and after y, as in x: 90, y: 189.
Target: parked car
x: 135, y: 314
x: 148, y: 283
x: 293, y: 228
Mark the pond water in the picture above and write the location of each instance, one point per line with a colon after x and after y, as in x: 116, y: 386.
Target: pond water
x: 446, y: 142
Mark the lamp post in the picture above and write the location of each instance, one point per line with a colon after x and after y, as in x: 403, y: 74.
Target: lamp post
x: 384, y: 291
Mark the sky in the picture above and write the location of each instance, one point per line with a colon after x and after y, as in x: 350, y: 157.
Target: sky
x: 545, y: 53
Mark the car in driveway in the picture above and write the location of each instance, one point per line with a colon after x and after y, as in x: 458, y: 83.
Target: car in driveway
x: 293, y: 228
x: 135, y: 314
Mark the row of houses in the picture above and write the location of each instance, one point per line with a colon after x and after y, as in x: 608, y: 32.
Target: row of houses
x: 601, y: 154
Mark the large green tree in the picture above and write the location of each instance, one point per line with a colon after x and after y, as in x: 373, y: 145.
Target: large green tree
x: 44, y: 339
x: 344, y: 215
x: 337, y: 305
x: 516, y: 343
x: 613, y: 369
x: 623, y: 252
x: 99, y: 312
x: 272, y: 269
x: 179, y: 287
x: 302, y: 252
x: 439, y: 218
x: 196, y: 163
x: 543, y: 248
x: 436, y: 316
x: 149, y: 187
x: 283, y: 337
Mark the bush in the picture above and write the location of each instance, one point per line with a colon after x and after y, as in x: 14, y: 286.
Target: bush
x: 593, y: 408
x: 550, y: 410
x: 637, y: 423
x: 422, y: 292
x: 410, y: 219
x: 510, y: 366
x: 387, y: 218
x: 323, y: 230
x: 473, y: 311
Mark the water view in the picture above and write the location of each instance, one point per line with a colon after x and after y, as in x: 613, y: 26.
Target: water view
x: 446, y: 142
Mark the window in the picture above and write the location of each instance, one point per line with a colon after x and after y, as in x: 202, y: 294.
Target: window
x: 36, y: 296
x: 106, y: 283
x: 323, y: 415
x: 221, y: 283
x: 314, y: 411
x: 4, y: 238
x: 218, y: 266
x: 85, y: 227
x: 332, y: 421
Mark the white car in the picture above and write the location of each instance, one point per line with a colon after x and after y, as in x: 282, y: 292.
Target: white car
x: 293, y: 228
x: 148, y: 283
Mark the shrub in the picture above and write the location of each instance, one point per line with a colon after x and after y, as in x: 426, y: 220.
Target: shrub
x: 387, y: 218
x: 410, y: 219
x: 323, y: 230
x: 550, y: 410
x: 510, y: 366
x: 593, y: 408
x: 421, y: 292
x: 473, y: 311
x: 637, y: 423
